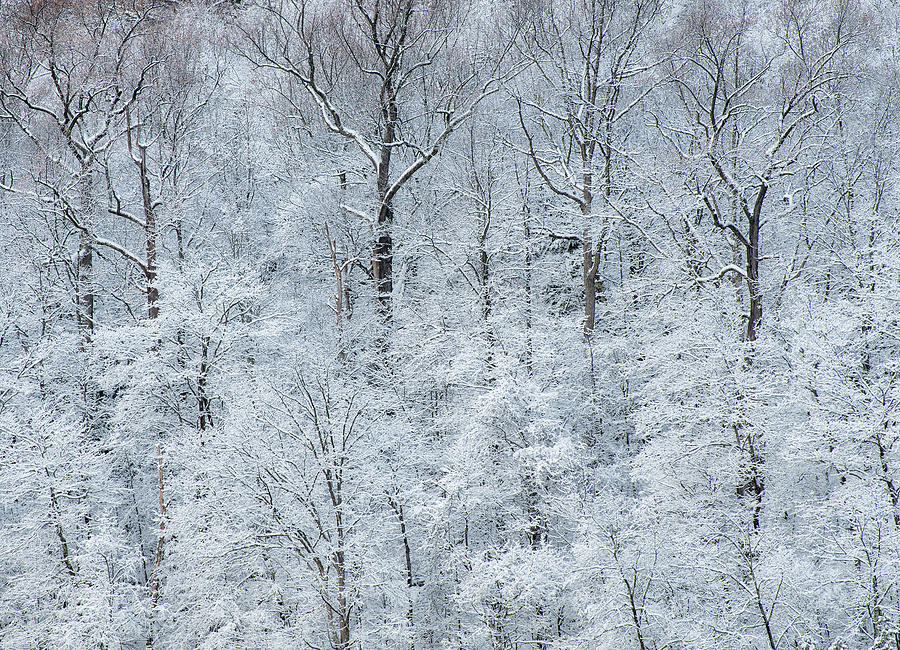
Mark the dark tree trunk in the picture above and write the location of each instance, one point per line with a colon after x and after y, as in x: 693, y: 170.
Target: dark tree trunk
x: 150, y: 234
x: 383, y: 250
x: 85, y: 287
x: 755, y: 314
x: 752, y: 482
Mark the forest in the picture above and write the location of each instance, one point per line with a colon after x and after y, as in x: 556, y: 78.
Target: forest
x: 450, y: 324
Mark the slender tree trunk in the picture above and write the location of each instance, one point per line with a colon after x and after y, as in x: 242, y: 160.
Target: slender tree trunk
x: 340, y: 566
x: 150, y: 235
x: 589, y: 278
x: 60, y: 534
x: 537, y: 523
x: 383, y: 261
x: 85, y: 297
x: 529, y: 313
x: 160, y: 543
x: 161, y: 535
x: 484, y: 270
x: 484, y: 281
x: 84, y: 289
x: 407, y: 556
x: 339, y: 293
x: 590, y: 256
x: 204, y: 404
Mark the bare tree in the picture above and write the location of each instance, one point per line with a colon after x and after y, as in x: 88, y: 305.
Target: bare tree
x: 751, y: 113
x: 68, y: 93
x: 307, y: 492
x: 586, y: 57
x: 395, y: 78
x: 751, y: 95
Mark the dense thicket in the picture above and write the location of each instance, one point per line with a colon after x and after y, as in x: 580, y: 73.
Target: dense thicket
x: 545, y: 324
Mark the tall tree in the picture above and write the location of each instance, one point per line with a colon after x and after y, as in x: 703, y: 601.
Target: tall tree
x: 73, y: 86
x: 751, y: 93
x: 395, y: 78
x: 587, y: 55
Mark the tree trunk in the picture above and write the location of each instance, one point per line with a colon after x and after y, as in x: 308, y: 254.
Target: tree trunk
x: 484, y: 279
x: 160, y: 543
x: 161, y: 535
x: 590, y: 266
x: 84, y: 284
x: 755, y: 315
x: 752, y: 483
x: 150, y: 234
x: 407, y: 556
x: 85, y: 287
x: 339, y: 293
x: 383, y: 250
x: 204, y: 404
x: 340, y: 565
x: 529, y: 314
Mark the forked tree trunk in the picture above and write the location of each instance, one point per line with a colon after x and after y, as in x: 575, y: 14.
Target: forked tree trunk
x: 752, y: 484
x: 140, y: 160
